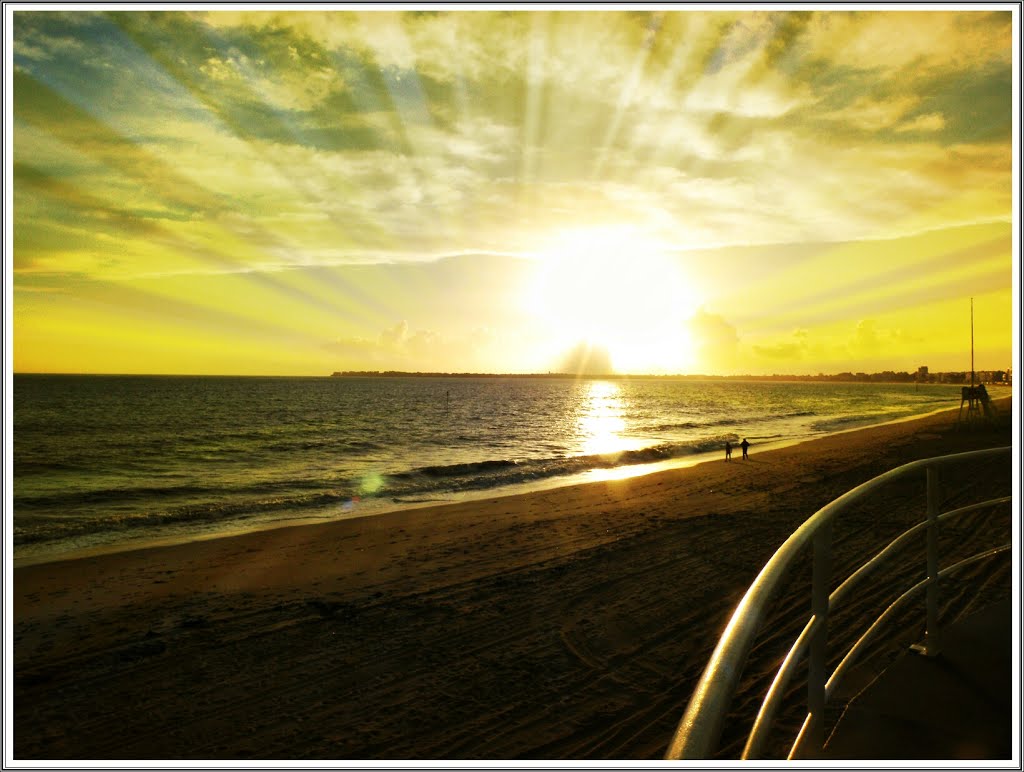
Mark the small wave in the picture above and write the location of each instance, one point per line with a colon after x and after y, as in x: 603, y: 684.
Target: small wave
x: 677, y: 426
x: 727, y: 421
x: 363, y: 445
x: 686, y: 425
x: 490, y: 474
x: 23, y: 468
x: 325, y: 443
x: 143, y: 493
x: 457, y: 470
x: 838, y: 423
x: 670, y: 450
x: 111, y: 495
x: 40, y: 530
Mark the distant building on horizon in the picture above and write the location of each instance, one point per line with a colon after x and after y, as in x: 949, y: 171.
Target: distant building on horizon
x: 924, y: 375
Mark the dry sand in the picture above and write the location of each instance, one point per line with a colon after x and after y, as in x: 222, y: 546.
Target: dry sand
x: 564, y: 624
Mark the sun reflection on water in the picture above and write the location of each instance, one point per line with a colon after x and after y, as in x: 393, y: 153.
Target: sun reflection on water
x: 601, y: 421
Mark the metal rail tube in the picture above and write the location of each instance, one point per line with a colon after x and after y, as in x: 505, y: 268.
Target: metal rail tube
x: 698, y: 731
x: 841, y: 668
x: 794, y: 751
x: 844, y: 665
x: 770, y: 705
x: 972, y: 507
x: 867, y: 568
x: 821, y: 576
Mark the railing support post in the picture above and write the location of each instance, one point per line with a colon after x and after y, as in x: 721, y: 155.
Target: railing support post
x: 932, y: 634
x: 821, y: 577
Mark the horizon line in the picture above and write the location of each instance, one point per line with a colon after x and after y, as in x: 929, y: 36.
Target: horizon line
x: 483, y: 374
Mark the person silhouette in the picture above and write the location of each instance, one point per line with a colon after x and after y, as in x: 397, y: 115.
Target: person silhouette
x: 744, y: 445
x: 728, y: 450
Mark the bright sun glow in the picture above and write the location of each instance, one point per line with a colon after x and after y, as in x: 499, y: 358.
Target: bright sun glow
x: 613, y: 288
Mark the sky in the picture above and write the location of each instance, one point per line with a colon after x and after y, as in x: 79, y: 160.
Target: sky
x: 673, y: 190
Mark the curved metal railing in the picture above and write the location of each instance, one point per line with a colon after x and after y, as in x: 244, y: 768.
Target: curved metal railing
x: 701, y: 725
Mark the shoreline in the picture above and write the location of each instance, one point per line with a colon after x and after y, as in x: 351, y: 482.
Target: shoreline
x: 597, y: 475
x: 571, y: 623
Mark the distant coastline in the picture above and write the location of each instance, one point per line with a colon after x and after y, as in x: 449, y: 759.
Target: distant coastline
x: 989, y: 377
x: 994, y: 377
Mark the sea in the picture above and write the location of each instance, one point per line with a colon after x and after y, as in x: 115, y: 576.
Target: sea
x: 114, y: 462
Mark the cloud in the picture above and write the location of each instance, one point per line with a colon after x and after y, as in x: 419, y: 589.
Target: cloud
x: 783, y: 351
x: 730, y: 91
x: 36, y: 44
x: 480, y: 348
x: 715, y: 340
x: 395, y: 336
x: 393, y: 348
x: 869, y: 340
x: 912, y: 43
x: 868, y: 113
x: 931, y: 122
x: 795, y: 348
x: 445, y: 46
x: 221, y: 70
x: 32, y: 51
x: 865, y: 338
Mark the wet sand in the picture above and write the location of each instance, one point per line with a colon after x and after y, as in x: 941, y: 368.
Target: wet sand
x: 570, y: 623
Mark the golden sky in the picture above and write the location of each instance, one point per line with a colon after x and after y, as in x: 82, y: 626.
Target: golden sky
x: 296, y: 192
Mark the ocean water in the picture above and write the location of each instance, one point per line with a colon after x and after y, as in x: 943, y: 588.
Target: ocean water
x: 117, y: 461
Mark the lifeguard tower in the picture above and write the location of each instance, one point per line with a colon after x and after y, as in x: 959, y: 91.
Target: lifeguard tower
x: 978, y: 403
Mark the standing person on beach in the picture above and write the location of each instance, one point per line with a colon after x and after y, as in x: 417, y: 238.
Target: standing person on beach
x: 744, y: 445
x: 728, y: 451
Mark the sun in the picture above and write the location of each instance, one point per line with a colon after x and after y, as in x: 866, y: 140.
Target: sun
x: 613, y: 288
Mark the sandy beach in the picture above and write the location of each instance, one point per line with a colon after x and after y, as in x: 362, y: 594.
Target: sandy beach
x: 570, y: 623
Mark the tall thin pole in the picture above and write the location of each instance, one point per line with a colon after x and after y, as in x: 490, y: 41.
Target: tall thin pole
x: 972, y: 343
